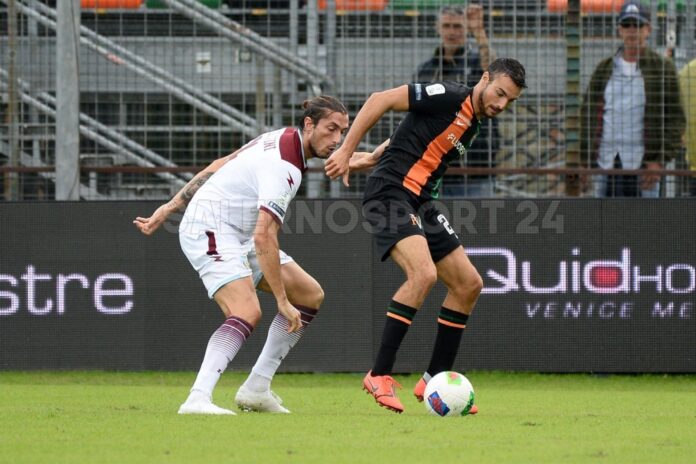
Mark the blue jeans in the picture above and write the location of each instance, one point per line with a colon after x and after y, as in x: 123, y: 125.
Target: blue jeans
x: 470, y: 187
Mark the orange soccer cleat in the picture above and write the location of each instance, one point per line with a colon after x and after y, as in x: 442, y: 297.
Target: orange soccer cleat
x: 383, y: 388
x: 419, y: 389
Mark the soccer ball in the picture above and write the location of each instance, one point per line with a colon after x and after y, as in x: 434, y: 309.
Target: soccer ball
x: 449, y: 394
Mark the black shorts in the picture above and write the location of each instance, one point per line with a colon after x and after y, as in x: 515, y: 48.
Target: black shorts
x: 394, y: 213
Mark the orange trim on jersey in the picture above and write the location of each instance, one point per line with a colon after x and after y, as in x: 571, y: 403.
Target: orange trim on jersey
x: 418, y: 175
x: 451, y: 324
x: 399, y: 318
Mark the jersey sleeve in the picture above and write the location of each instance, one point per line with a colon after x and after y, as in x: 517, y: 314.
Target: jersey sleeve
x: 278, y: 184
x: 435, y: 97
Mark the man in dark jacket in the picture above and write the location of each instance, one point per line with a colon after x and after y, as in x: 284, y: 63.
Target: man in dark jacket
x: 631, y: 115
x: 456, y: 60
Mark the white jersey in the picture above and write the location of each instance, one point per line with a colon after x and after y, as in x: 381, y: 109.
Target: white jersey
x: 265, y: 174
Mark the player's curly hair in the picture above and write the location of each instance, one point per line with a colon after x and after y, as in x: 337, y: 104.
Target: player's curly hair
x: 509, y: 67
x: 320, y: 107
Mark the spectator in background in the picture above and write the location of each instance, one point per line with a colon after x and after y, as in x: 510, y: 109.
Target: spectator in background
x: 687, y: 81
x: 456, y: 60
x: 631, y: 116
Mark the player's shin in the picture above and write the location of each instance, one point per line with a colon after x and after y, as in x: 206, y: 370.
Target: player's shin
x: 399, y: 318
x: 278, y: 344
x: 223, y: 346
x: 450, y: 326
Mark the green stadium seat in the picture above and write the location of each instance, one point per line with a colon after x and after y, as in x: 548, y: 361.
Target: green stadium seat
x: 662, y: 6
x: 422, y: 4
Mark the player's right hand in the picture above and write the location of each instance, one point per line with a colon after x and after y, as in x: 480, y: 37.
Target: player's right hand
x: 150, y: 224
x: 338, y: 165
x: 291, y: 314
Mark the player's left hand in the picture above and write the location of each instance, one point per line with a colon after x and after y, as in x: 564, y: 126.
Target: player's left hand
x: 291, y: 314
x: 338, y: 165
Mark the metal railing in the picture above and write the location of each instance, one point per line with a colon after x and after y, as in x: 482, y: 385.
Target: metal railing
x: 361, y: 51
x: 140, y: 181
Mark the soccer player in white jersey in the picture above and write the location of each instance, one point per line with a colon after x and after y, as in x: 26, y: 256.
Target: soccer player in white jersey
x: 229, y: 233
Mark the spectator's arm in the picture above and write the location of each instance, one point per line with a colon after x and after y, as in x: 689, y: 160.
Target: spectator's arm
x: 486, y: 52
x: 674, y: 113
x: 589, y: 117
x: 474, y: 14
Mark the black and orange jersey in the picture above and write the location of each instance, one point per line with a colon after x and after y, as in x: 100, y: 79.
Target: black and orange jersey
x: 439, y: 127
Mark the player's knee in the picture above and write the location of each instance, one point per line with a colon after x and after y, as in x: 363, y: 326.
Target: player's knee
x: 472, y: 287
x: 308, y: 295
x: 468, y: 289
x: 476, y: 284
x: 424, y: 277
x: 317, y: 296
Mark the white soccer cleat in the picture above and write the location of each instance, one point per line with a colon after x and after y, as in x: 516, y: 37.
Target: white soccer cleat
x: 200, y: 404
x: 266, y: 401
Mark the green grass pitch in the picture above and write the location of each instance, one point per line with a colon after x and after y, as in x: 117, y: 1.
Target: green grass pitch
x: 112, y: 417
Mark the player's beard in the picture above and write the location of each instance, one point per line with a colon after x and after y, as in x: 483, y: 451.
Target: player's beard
x: 316, y: 154
x: 482, y: 105
x: 480, y: 101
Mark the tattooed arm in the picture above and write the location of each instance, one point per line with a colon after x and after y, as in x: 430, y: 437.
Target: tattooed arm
x: 148, y: 225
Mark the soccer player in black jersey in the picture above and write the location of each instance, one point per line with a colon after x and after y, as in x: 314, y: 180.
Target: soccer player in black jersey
x: 443, y: 118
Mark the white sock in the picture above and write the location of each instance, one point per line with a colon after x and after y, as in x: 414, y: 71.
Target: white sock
x: 257, y: 383
x: 222, y: 348
x: 278, y: 343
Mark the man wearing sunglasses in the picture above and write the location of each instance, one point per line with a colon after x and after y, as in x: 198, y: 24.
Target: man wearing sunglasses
x: 631, y: 116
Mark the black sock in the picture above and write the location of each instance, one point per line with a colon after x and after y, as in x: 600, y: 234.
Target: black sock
x: 399, y: 317
x: 450, y: 325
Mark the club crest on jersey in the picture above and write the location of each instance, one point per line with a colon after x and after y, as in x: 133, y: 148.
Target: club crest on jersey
x: 416, y: 221
x: 291, y: 182
x: 462, y: 120
x: 434, y: 89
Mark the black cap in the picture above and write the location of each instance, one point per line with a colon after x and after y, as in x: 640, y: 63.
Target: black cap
x: 634, y: 10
